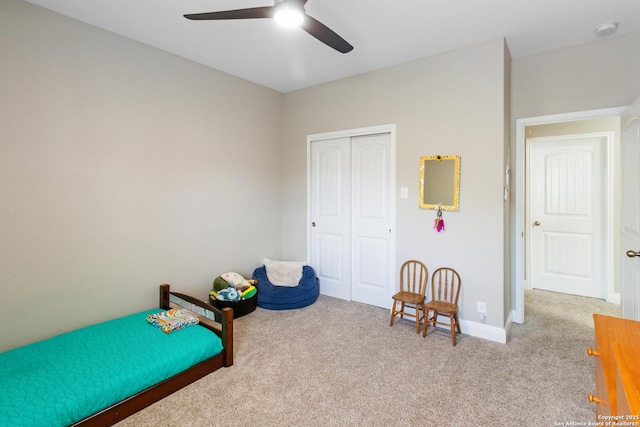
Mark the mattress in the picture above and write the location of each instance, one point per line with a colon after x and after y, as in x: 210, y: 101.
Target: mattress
x: 64, y: 379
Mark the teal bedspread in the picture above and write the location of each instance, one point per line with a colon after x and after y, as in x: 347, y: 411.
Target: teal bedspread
x: 64, y: 379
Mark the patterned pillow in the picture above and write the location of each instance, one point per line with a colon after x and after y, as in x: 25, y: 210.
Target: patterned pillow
x: 234, y: 279
x: 172, y: 320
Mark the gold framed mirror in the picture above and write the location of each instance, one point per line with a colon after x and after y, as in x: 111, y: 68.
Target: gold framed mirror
x: 440, y: 182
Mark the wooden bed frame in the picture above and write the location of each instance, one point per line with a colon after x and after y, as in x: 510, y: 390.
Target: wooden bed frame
x: 219, y: 321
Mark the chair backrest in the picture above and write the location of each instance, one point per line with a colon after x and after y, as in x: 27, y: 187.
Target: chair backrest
x: 445, y: 285
x: 414, y: 277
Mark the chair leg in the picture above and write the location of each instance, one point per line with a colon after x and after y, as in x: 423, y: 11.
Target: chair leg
x: 426, y: 323
x: 458, y: 323
x: 418, y: 318
x: 453, y: 329
x: 393, y: 312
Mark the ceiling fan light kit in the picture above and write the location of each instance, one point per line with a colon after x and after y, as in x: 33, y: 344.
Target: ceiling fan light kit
x: 288, y: 15
x: 290, y: 9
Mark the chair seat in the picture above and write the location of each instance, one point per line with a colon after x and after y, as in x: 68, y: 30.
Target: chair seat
x: 409, y: 297
x: 441, y: 306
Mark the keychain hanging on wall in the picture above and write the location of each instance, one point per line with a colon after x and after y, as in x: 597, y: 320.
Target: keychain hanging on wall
x: 439, y: 222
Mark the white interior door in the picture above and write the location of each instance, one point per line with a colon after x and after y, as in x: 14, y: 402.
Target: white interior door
x: 630, y: 238
x: 566, y: 214
x: 351, y: 214
x: 371, y: 219
x: 330, y: 206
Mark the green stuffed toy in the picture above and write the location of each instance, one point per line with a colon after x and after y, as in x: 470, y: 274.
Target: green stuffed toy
x: 219, y: 284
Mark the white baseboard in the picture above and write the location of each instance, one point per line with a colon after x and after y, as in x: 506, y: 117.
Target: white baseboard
x: 480, y: 330
x: 615, y: 299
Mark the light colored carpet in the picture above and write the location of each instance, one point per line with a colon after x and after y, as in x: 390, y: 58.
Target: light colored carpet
x: 338, y: 363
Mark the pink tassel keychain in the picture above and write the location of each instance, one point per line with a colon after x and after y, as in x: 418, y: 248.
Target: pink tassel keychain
x: 439, y: 222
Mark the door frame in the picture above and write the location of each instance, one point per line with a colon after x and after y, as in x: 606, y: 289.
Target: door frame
x: 350, y: 133
x: 518, y: 274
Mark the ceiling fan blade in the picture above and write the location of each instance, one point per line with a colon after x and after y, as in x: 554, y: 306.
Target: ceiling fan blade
x: 251, y: 13
x: 326, y: 35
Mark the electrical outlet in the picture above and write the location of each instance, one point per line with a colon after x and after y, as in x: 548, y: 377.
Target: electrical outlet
x: 482, y: 310
x: 482, y: 307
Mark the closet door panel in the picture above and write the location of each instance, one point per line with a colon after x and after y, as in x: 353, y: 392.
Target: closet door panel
x: 331, y: 215
x: 371, y: 219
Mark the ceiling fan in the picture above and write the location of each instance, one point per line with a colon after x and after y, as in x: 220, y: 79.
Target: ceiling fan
x: 286, y: 12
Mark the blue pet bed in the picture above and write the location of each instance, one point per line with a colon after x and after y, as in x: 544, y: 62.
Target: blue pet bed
x: 274, y: 297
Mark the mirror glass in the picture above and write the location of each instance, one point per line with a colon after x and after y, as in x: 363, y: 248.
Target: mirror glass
x: 440, y: 182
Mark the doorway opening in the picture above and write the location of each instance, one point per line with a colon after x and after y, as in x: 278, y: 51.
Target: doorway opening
x: 578, y: 120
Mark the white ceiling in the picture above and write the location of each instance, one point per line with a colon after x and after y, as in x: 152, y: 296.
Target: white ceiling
x: 383, y: 33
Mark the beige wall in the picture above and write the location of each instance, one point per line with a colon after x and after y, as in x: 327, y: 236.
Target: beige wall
x: 123, y: 167
x: 591, y: 76
x: 453, y: 103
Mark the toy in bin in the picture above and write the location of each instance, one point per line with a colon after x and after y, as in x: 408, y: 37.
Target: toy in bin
x: 234, y: 291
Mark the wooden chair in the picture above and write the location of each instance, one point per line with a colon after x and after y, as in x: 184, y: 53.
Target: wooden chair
x: 413, y: 286
x: 445, y: 290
